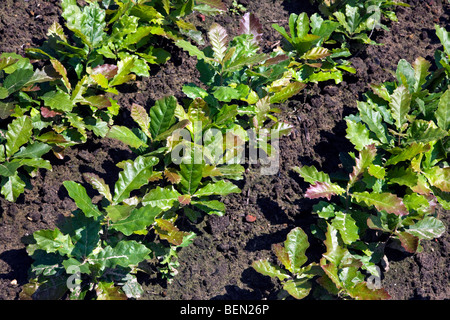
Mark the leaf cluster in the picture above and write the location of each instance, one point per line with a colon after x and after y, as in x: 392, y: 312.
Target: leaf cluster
x: 96, y: 253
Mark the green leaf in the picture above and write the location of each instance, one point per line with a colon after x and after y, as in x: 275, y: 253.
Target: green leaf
x: 311, y: 175
x: 88, y: 24
x: 210, y: 206
x: 346, y: 226
x: 428, y: 228
x: 421, y: 72
x: 78, y: 193
x: 12, y: 187
x: 17, y: 80
x: 163, y: 198
x: 422, y: 131
x: 139, y: 219
x: 358, y: 134
x: 443, y: 111
x: 32, y: 151
x: 124, y: 69
x: 439, y: 177
x: 98, y: 184
x: 19, y: 132
x: 374, y: 120
x: 377, y: 171
x: 221, y: 187
x: 226, y: 94
x: 335, y: 250
x: 193, y: 50
x: 118, y: 212
x: 162, y: 115
x: 53, y: 241
x: 444, y: 36
x: 268, y: 269
x: 58, y: 100
x: 408, y: 153
x: 298, y: 288
x: 287, y: 92
x: 295, y: 246
x: 134, y: 176
x: 88, y: 240
x: 127, y: 253
x: 191, y: 171
x: 125, y: 135
x: 406, y: 75
x: 382, y: 201
x: 400, y: 105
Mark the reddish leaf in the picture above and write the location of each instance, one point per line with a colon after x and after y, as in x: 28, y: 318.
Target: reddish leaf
x: 382, y: 201
x: 47, y: 113
x: 249, y: 24
x: 108, y: 70
x: 362, y: 292
x: 409, y: 242
x: 184, y: 199
x: 323, y: 190
x: 99, y: 101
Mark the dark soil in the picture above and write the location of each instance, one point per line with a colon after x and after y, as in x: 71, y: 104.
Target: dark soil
x: 218, y: 264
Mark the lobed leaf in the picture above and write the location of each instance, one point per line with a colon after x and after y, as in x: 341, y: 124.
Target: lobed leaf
x: 268, y: 269
x: 140, y: 116
x: 19, y: 132
x: 295, y: 246
x: 134, y: 176
x: 163, y: 198
x: 323, y: 190
x: 98, y: 184
x: 311, y: 175
x: 400, y: 105
x: 382, y: 201
x: 125, y: 135
x: 162, y: 115
x: 218, y: 38
x: 139, y: 219
x: 249, y: 24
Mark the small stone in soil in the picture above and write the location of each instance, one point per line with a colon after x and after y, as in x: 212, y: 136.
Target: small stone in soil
x: 250, y: 218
